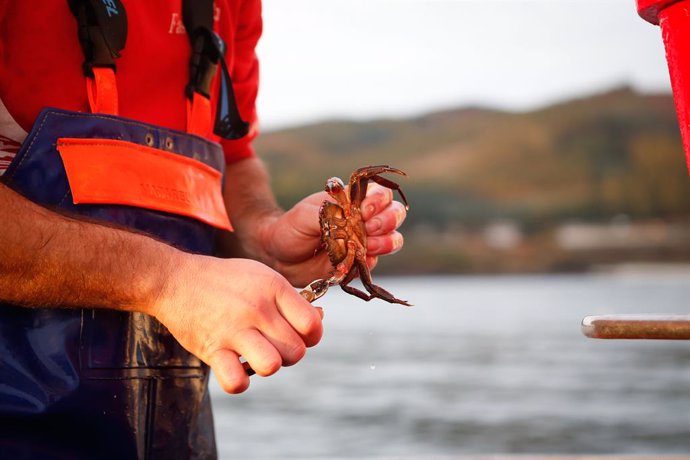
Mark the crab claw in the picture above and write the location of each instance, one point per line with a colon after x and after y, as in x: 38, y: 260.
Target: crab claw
x: 360, y: 178
x: 336, y: 189
x: 334, y: 186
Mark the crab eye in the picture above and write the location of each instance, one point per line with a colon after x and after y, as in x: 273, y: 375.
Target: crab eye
x: 334, y: 185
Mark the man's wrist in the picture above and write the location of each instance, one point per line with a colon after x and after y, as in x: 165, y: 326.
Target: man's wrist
x: 265, y: 237
x: 252, y: 208
x: 163, y: 283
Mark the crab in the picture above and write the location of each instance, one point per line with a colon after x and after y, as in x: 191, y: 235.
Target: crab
x: 343, y: 234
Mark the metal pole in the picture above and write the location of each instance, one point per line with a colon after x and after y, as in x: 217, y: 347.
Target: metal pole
x: 647, y: 327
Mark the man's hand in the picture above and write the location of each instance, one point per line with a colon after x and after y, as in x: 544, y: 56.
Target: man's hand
x: 292, y: 239
x: 221, y: 309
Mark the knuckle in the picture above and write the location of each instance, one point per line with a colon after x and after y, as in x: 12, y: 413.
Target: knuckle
x: 390, y: 223
x: 277, y: 285
x: 209, y: 347
x: 269, y: 366
x: 295, y: 354
x: 227, y: 375
x: 316, y: 338
x: 313, y: 328
x: 375, y: 245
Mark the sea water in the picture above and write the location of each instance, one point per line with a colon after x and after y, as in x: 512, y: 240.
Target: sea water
x: 480, y: 365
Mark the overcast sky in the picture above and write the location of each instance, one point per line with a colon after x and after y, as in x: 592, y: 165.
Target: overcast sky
x: 364, y: 59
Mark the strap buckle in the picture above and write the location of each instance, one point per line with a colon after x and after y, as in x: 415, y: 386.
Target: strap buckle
x: 102, y: 32
x: 208, y: 50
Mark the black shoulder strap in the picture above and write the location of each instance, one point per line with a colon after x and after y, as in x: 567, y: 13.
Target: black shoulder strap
x: 102, y: 31
x: 208, y: 49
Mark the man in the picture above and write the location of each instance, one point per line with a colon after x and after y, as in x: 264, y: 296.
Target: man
x: 86, y: 371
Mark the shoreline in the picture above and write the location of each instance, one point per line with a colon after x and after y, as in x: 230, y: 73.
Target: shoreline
x: 625, y: 268
x: 527, y: 457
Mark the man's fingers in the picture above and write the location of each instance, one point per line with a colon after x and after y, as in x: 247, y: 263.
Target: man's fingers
x: 386, y: 221
x: 259, y: 352
x: 229, y: 372
x: 378, y: 198
x: 300, y: 314
x: 381, y: 245
x: 286, y: 341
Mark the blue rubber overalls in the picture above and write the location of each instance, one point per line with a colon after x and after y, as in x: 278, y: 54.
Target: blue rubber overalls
x: 102, y: 384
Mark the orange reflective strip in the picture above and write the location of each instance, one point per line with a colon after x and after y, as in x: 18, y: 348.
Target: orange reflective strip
x: 107, y: 171
x: 199, y: 115
x: 102, y: 91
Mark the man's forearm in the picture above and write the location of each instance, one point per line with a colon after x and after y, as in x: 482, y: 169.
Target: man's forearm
x: 50, y: 260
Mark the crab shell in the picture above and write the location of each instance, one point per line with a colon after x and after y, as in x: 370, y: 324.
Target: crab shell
x: 337, y: 229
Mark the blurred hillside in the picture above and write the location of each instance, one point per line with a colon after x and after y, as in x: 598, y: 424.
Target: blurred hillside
x: 600, y: 180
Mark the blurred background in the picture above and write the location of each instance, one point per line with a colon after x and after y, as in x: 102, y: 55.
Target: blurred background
x: 546, y: 181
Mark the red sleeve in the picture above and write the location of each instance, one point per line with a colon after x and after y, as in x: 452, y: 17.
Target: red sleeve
x: 245, y: 76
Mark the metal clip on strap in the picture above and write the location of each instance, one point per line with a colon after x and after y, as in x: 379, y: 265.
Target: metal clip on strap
x: 315, y: 290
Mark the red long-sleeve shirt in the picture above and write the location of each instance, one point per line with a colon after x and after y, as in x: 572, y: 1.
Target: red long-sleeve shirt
x: 41, y: 59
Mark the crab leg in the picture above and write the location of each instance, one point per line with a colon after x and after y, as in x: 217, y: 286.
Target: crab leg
x: 391, y: 185
x: 377, y: 169
x: 360, y: 178
x: 353, y: 290
x: 347, y: 270
x: 374, y: 290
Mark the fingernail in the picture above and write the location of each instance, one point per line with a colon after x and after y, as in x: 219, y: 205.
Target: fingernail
x: 373, y: 225
x: 397, y: 242
x: 399, y: 216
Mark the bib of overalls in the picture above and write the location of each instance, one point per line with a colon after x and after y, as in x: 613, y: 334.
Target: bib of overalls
x: 94, y: 383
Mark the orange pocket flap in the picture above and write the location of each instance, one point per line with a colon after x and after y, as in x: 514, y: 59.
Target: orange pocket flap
x: 108, y: 171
